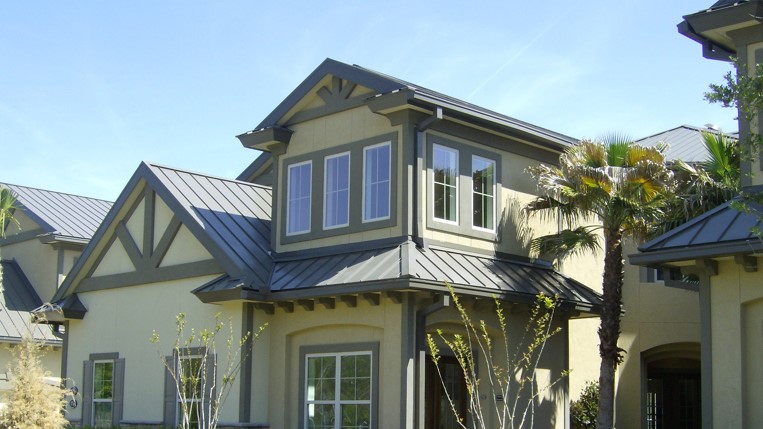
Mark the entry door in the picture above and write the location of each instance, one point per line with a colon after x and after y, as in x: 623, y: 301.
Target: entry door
x: 673, y: 401
x: 439, y: 412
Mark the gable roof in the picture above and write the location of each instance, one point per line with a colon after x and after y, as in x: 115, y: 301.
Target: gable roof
x: 685, y: 143
x: 384, y: 265
x: 229, y: 217
x: 17, y: 299
x: 383, y: 84
x: 62, y: 216
x: 722, y: 231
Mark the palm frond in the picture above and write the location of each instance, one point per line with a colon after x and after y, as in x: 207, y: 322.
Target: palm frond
x: 8, y: 204
x: 567, y: 242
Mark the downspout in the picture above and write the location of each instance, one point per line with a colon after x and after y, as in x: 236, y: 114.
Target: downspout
x: 417, y: 154
x: 443, y: 301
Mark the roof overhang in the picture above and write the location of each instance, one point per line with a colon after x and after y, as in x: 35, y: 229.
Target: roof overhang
x: 690, y: 253
x: 713, y: 28
x: 271, y: 139
x: 58, y: 313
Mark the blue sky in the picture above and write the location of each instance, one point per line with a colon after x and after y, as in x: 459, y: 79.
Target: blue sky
x: 88, y: 89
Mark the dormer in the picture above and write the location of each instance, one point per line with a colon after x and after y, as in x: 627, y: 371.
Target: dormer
x: 355, y: 156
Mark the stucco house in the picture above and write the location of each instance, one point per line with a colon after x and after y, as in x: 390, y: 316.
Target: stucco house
x: 53, y: 230
x: 370, y: 193
x: 717, y: 252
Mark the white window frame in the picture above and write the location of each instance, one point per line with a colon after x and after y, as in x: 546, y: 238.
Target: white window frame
x: 326, y: 190
x: 337, y: 402
x: 471, y: 194
x: 435, y: 147
x: 309, y: 197
x: 102, y: 400
x: 388, y: 144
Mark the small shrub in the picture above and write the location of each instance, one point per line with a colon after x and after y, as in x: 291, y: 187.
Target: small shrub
x: 583, y: 412
x: 31, y: 402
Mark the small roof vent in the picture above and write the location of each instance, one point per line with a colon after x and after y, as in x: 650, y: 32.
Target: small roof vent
x: 712, y: 127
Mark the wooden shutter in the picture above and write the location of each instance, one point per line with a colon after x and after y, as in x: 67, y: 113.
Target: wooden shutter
x: 117, y: 390
x: 87, y: 393
x: 170, y: 395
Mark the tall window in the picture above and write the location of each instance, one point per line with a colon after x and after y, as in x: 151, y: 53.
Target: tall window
x: 338, y: 390
x: 376, y: 182
x: 483, y: 193
x: 298, y: 199
x: 336, y: 201
x: 445, y: 168
x: 190, y: 372
x: 103, y: 397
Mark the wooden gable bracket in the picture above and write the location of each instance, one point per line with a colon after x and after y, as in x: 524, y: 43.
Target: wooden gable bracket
x: 286, y: 306
x: 372, y: 298
x: 268, y: 308
x: 394, y: 296
x: 328, y: 303
x: 350, y: 301
x: 146, y: 259
x: 306, y: 304
x: 748, y: 262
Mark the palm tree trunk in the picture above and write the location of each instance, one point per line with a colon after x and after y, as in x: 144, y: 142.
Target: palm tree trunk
x: 609, y: 329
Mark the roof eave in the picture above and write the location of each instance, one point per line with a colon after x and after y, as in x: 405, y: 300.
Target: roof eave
x: 688, y: 253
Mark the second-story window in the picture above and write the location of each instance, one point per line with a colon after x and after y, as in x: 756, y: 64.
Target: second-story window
x: 336, y: 185
x: 376, y: 182
x: 483, y: 193
x: 298, y: 208
x: 445, y: 169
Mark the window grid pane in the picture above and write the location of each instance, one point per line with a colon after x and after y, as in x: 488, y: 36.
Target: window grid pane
x: 347, y: 403
x: 483, y: 190
x: 337, y: 189
x: 445, y: 169
x: 376, y: 178
x: 298, y: 210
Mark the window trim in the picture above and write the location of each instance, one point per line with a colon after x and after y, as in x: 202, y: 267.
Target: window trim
x: 436, y: 146
x: 95, y: 400
x: 309, y: 197
x: 87, y: 414
x: 388, y: 145
x: 325, y: 188
x: 336, y: 350
x: 465, y: 152
x: 472, y: 193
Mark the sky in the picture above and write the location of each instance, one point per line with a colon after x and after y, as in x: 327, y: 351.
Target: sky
x: 89, y: 89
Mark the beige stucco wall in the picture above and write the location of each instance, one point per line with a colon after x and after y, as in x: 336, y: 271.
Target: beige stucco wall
x: 737, y: 346
x: 335, y: 130
x: 39, y: 262
x: 122, y: 320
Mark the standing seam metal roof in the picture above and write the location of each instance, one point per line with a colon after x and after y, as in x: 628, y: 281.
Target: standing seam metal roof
x: 62, y: 214
x: 685, y: 143
x: 17, y: 300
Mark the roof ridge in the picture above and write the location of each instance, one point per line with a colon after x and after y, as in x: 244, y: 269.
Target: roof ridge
x: 55, y: 192
x: 207, y: 175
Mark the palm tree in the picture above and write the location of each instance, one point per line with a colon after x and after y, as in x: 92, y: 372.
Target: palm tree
x: 7, y: 207
x: 621, y: 187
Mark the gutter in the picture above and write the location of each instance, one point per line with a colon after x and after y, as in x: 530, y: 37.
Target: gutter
x: 710, y: 49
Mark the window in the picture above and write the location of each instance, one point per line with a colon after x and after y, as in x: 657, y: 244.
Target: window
x: 103, y: 394
x: 483, y: 193
x: 102, y: 390
x: 298, y: 208
x: 338, y: 390
x: 336, y: 185
x: 445, y: 183
x: 376, y: 182
x: 190, y: 371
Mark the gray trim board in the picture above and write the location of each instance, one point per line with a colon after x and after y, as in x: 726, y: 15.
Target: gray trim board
x: 151, y: 275
x: 245, y: 383
x: 262, y: 163
x: 21, y: 236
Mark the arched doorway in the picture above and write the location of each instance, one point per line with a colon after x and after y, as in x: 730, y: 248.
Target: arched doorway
x: 672, y: 397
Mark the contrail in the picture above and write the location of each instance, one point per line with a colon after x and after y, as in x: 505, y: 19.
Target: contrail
x: 519, y: 54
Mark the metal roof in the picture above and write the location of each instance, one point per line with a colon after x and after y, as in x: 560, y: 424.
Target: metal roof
x: 17, y: 300
x: 684, y: 143
x: 385, y: 84
x: 60, y: 214
x: 725, y: 3
x: 469, y: 273
x: 722, y: 231
x: 234, y: 215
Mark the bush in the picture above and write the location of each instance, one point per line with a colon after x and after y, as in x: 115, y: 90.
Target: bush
x: 31, y: 402
x: 583, y: 412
